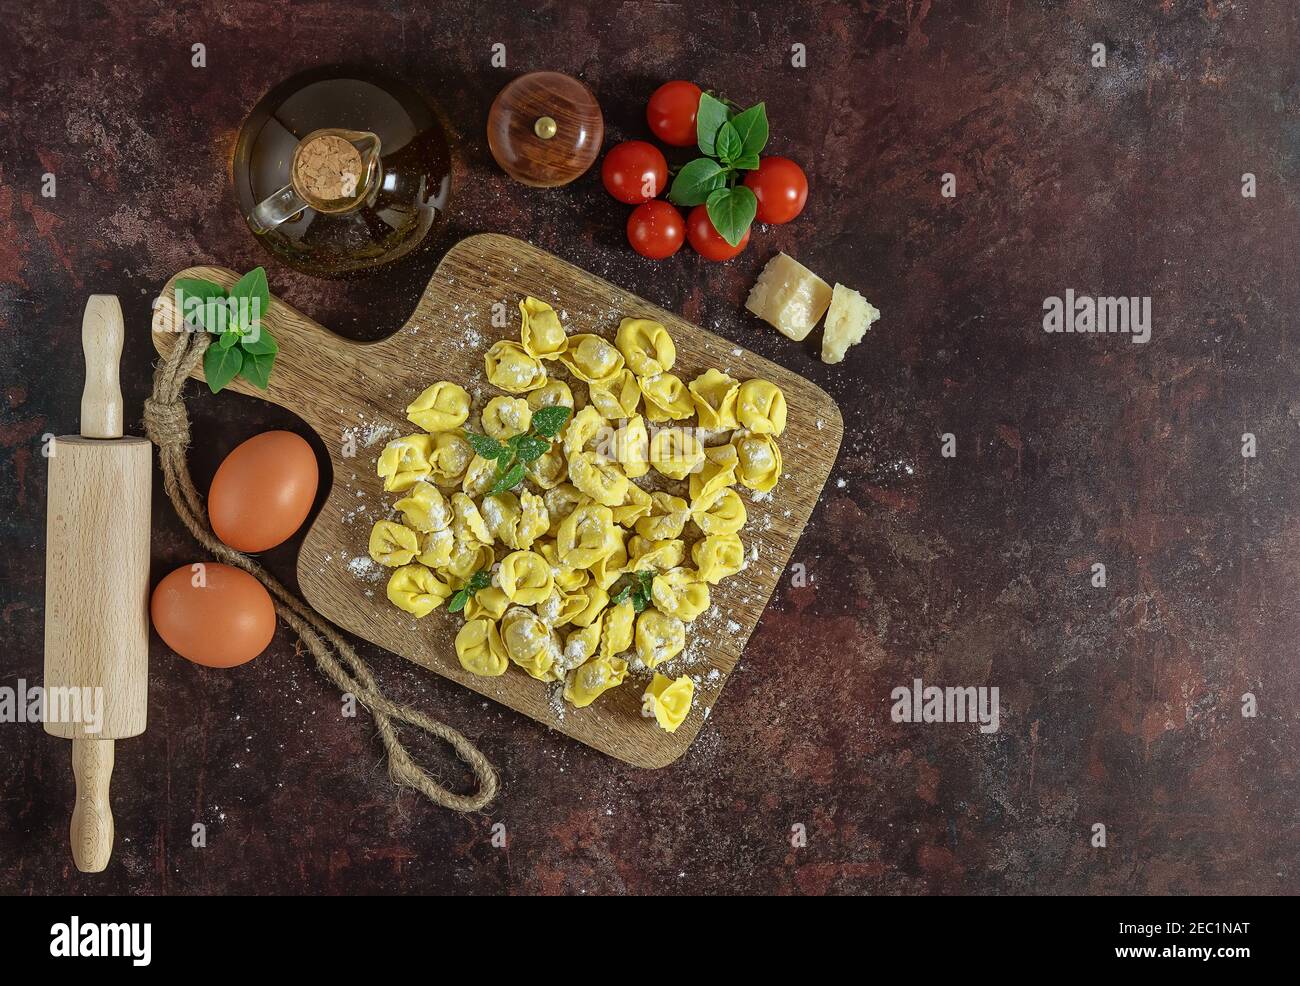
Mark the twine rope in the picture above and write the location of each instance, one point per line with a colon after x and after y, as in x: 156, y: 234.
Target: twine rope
x: 168, y: 426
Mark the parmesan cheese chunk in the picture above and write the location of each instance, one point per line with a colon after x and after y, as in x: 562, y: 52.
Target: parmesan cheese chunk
x: 789, y: 296
x: 846, y: 323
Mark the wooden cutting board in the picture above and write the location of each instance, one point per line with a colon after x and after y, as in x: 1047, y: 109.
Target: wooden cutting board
x: 355, y: 394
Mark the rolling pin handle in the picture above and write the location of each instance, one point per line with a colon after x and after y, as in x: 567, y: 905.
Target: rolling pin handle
x: 92, y: 818
x: 101, y: 340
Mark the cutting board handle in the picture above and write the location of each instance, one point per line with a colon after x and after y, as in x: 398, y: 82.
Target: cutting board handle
x: 315, y: 369
x: 92, y: 818
x: 101, y: 341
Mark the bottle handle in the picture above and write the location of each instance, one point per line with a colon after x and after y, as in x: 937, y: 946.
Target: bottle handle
x: 276, y: 209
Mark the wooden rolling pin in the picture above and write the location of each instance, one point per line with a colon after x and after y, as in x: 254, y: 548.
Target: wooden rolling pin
x: 97, y: 585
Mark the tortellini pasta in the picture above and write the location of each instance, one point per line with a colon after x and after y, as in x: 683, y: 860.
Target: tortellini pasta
x: 668, y: 701
x: 582, y: 430
x: 587, y: 683
x: 760, y: 406
x: 667, y: 517
x: 718, y: 556
x: 392, y: 544
x: 540, y: 331
x: 509, y: 366
x: 505, y: 417
x: 632, y: 447
x: 436, y: 548
x: 586, y: 535
x: 424, y: 509
x: 675, y: 452
x: 515, y: 521
x: 681, y: 593
x: 720, y: 513
x: 758, y: 461
x: 646, y: 346
x: 450, y: 458
x: 530, y: 643
x: 479, y: 648
x: 666, y: 398
x: 405, y: 462
x: 717, y: 471
x: 620, y: 398
x: 417, y: 590
x: 467, y: 522
x: 659, y: 637
x: 598, y: 478
x: 441, y: 407
x: 616, y: 635
x: 593, y: 360
x: 525, y: 578
x: 715, y: 395
x: 549, y: 469
x: 467, y: 557
x: 589, y: 520
x: 553, y: 393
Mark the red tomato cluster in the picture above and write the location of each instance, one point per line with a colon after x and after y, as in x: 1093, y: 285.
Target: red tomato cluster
x: 636, y: 173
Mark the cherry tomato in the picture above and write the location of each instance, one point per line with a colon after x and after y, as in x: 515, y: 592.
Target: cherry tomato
x: 706, y: 240
x: 634, y: 171
x: 780, y: 187
x: 655, y: 229
x: 671, y: 112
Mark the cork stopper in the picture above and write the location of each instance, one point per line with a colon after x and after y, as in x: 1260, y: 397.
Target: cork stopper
x: 327, y: 168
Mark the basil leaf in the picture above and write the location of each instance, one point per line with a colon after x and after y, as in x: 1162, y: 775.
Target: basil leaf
x: 751, y: 128
x: 192, y: 295
x: 228, y: 339
x: 509, y: 481
x: 621, y: 596
x: 532, y: 448
x: 257, y: 369
x: 259, y: 342
x: 696, y: 181
x: 458, y: 600
x: 548, y: 421
x: 479, y: 580
x: 709, y: 118
x: 646, y: 580
x: 220, y: 366
x: 485, y: 446
x: 732, y: 210
x: 746, y: 162
x: 728, y: 144
x: 640, y: 602
x: 250, y: 300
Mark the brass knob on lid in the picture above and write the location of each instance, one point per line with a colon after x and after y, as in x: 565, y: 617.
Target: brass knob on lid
x: 545, y: 129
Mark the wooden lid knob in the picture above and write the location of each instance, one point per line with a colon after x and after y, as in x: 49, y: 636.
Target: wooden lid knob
x: 545, y: 129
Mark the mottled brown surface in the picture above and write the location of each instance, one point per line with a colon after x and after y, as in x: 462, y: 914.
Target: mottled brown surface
x: 1120, y: 705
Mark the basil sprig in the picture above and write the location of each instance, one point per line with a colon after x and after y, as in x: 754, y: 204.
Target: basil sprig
x: 479, y: 580
x: 731, y: 142
x: 514, y: 454
x: 243, y: 346
x: 635, y: 586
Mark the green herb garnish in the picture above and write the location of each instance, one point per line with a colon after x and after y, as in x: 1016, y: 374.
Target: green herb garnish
x: 243, y: 346
x: 479, y: 580
x: 635, y: 586
x: 731, y: 142
x: 515, y: 454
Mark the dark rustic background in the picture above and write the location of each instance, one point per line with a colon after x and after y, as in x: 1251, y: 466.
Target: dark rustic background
x: 1121, y: 705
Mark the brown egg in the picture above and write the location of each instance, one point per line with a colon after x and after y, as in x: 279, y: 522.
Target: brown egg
x: 213, y: 614
x: 263, y: 491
